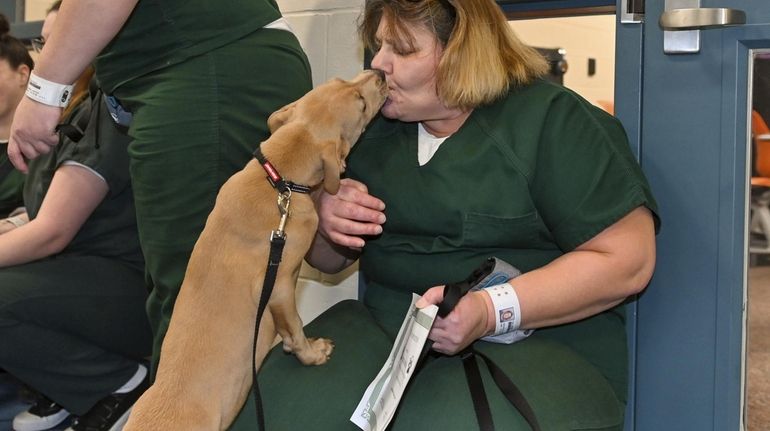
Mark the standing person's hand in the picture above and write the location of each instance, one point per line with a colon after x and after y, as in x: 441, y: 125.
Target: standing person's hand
x: 32, y: 132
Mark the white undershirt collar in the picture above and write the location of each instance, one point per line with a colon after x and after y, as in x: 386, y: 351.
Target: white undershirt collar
x: 427, y: 144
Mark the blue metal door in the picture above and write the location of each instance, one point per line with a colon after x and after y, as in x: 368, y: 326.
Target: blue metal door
x: 687, y: 119
x: 689, y: 115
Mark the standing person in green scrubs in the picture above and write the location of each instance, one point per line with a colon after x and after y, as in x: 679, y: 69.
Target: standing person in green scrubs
x: 476, y: 156
x: 196, y: 81
x: 15, y: 66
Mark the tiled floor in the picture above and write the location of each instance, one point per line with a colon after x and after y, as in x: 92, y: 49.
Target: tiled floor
x: 758, y: 369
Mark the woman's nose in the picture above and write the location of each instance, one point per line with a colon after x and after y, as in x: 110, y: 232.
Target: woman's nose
x: 379, y: 61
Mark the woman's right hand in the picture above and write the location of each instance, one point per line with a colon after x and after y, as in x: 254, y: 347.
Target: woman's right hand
x: 350, y: 215
x: 32, y: 132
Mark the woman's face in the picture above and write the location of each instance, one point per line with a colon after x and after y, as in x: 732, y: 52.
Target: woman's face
x: 411, y: 76
x: 13, y: 82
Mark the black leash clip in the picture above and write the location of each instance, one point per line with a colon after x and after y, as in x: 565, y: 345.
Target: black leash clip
x: 284, y: 200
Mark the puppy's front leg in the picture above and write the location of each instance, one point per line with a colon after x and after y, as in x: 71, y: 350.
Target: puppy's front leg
x: 313, y: 351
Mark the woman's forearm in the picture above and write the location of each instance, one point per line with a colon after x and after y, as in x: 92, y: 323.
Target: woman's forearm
x: 596, y: 276
x: 82, y: 29
x: 28, y: 243
x: 74, y: 193
x: 330, y: 258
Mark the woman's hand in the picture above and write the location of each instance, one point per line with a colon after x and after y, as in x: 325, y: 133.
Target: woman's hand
x: 351, y: 214
x: 32, y: 132
x: 471, y: 319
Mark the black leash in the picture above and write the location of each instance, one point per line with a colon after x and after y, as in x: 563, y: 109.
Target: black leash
x: 453, y: 292
x: 277, y: 242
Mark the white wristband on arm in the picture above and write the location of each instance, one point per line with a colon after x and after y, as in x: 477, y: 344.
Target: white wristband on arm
x: 17, y: 221
x: 507, y: 315
x: 48, y: 92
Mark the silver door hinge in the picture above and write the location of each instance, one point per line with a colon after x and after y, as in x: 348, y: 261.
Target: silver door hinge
x: 632, y: 11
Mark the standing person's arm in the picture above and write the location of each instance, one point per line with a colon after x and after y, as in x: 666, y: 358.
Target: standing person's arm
x: 82, y: 29
x: 74, y: 194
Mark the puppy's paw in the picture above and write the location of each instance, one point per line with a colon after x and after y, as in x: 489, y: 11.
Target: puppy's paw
x: 319, y: 351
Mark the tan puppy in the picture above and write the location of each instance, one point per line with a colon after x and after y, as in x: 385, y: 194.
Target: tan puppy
x: 205, y: 369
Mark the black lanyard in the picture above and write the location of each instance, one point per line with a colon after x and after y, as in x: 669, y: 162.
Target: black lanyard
x: 453, y: 292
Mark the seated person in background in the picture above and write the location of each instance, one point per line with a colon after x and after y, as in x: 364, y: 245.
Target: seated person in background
x: 15, y: 65
x: 475, y: 156
x: 72, y: 321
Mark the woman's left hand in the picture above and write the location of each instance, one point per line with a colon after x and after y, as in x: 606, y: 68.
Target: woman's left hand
x: 469, y: 321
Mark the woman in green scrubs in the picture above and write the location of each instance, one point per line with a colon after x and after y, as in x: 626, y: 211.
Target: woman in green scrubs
x: 72, y: 321
x: 475, y: 156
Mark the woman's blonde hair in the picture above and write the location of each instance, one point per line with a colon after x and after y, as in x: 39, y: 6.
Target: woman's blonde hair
x: 482, y: 56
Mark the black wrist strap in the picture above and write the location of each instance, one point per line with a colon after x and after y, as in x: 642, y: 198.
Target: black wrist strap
x: 453, y: 292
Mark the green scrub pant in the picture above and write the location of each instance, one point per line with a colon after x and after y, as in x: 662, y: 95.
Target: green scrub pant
x: 194, y: 125
x: 73, y: 327
x: 564, y: 389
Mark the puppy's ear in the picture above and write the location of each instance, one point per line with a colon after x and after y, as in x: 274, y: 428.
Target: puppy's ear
x: 280, y: 117
x: 332, y: 165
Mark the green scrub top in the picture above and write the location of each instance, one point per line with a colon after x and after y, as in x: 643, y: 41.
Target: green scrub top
x: 11, y: 184
x: 162, y: 33
x: 525, y: 179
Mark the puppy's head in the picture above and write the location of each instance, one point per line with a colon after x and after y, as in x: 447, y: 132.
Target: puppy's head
x: 334, y: 115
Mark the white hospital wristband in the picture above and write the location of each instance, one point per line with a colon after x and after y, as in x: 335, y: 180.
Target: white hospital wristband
x: 507, y: 315
x: 507, y: 308
x: 47, y: 92
x: 17, y: 221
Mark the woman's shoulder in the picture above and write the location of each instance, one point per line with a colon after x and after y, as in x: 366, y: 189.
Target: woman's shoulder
x: 538, y: 104
x: 543, y: 95
x: 100, y: 144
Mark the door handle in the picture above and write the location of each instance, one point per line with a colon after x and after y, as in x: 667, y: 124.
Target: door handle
x: 701, y: 18
x: 682, y: 21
